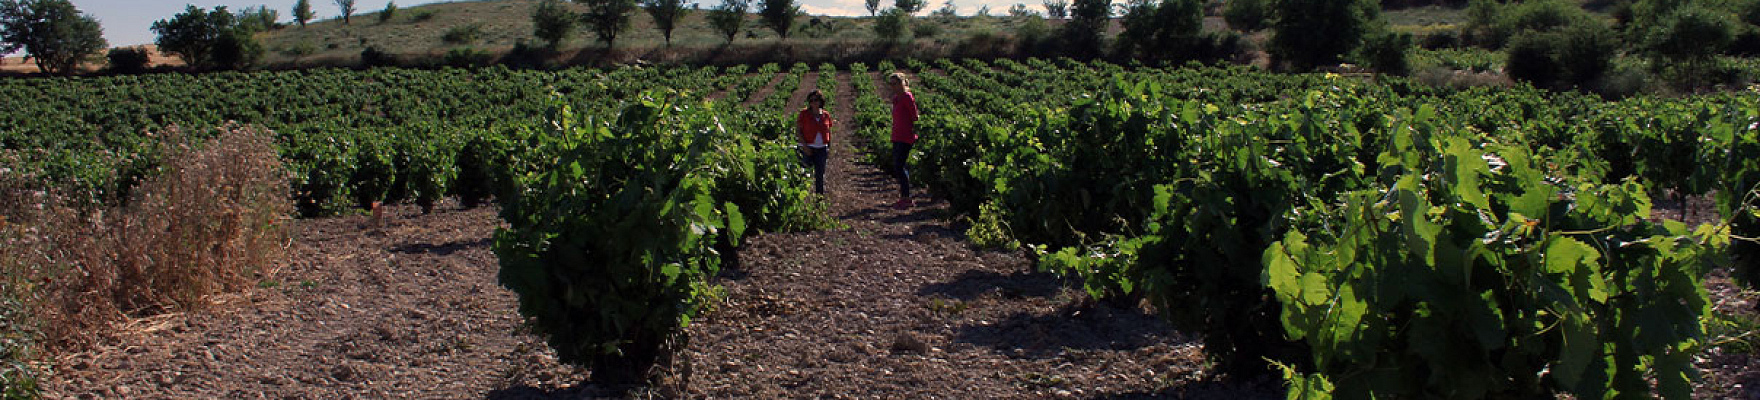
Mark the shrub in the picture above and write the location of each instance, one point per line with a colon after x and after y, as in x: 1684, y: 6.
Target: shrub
x: 527, y: 56
x: 1487, y: 282
x: 210, y: 39
x: 551, y: 22
x: 1083, y: 35
x: 983, y: 44
x: 389, y: 12
x: 1481, y: 26
x: 1057, y: 9
x: 375, y: 171
x: 728, y: 17
x: 927, y: 29
x: 1440, y: 40
x: 424, y: 163
x: 1589, y: 49
x: 1247, y: 15
x: 1576, y: 56
x: 463, y: 34
x: 1387, y: 52
x: 609, y: 269
x: 373, y: 57
x: 128, y: 60
x: 259, y: 18
x: 483, y: 169
x: 892, y: 26
x: 21, y: 334
x: 237, y: 51
x: 422, y: 16
x: 1533, y: 59
x: 209, y: 220
x: 779, y: 15
x: 466, y: 57
x: 212, y: 217
x: 607, y: 18
x: 1314, y: 33
x: 300, y: 49
x: 1033, y: 37
x: 1686, y: 41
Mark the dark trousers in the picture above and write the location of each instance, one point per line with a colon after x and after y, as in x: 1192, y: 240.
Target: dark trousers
x: 901, y: 153
x: 815, y: 159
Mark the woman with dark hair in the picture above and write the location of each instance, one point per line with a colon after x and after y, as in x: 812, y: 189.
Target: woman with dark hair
x: 815, y: 138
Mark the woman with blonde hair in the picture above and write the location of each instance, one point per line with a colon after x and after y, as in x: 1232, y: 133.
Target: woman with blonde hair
x: 815, y: 137
x: 904, y: 135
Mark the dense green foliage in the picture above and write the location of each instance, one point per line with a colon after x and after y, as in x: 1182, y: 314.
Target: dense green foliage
x: 350, y: 137
x: 607, y: 18
x: 1474, y: 272
x: 1500, y: 241
x: 209, y: 39
x: 127, y: 60
x: 611, y: 245
x: 1315, y: 33
x: 551, y: 22
x: 1247, y: 15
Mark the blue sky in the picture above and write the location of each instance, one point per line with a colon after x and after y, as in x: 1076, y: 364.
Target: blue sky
x: 127, y: 22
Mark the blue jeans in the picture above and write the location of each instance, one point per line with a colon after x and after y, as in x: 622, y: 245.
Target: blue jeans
x: 815, y: 159
x: 901, y: 153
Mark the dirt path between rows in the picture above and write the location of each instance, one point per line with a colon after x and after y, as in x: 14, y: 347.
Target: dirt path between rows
x: 798, y: 99
x: 762, y: 93
x: 898, y: 305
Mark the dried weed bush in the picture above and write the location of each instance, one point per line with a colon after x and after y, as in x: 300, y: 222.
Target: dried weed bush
x: 208, y: 220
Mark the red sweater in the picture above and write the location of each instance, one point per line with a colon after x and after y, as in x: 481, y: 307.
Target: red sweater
x: 904, y: 117
x: 812, y: 127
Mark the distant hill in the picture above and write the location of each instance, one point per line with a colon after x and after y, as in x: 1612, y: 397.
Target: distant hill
x: 421, y: 31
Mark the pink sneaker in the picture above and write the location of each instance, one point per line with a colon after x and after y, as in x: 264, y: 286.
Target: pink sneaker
x: 902, y: 204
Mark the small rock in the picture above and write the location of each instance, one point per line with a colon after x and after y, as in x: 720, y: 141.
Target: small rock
x: 909, y: 343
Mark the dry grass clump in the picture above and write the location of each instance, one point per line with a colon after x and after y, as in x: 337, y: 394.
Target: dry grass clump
x: 208, y: 221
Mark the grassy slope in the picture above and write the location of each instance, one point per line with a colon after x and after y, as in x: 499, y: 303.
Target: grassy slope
x: 507, y: 22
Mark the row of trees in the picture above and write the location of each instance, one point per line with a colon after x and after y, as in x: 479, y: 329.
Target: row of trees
x: 58, y: 37
x: 553, y: 22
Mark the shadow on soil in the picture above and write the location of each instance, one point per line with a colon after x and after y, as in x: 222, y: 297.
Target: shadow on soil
x: 444, y: 249
x: 974, y: 284
x: 1209, y: 389
x: 1096, y: 326
x: 582, y: 391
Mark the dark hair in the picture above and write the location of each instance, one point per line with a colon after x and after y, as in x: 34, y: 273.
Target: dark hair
x: 816, y: 95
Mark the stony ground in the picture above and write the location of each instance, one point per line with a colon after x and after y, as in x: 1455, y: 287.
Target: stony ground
x: 894, y: 304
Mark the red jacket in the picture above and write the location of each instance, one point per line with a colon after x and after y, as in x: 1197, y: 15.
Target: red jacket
x: 904, y: 117
x: 812, y: 127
